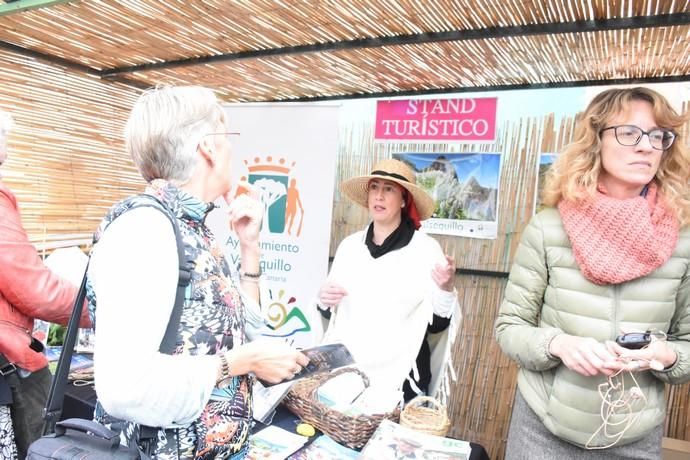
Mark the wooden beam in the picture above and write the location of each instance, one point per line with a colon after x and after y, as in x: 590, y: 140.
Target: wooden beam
x: 47, y: 57
x: 8, y: 8
x: 636, y: 22
x: 56, y: 60
x: 479, y: 89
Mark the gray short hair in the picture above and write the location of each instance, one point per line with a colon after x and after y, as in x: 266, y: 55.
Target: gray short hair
x: 166, y: 125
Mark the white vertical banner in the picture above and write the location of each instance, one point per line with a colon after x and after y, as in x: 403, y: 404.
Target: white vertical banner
x: 288, y: 153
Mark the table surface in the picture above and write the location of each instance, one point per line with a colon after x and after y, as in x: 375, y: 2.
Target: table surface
x: 80, y: 402
x: 289, y: 421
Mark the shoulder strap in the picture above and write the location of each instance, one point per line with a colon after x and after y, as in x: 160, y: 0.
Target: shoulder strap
x: 185, y: 267
x: 53, y: 407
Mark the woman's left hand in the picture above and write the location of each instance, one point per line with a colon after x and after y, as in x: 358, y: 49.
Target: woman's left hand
x: 444, y: 274
x: 245, y: 214
x: 657, y: 356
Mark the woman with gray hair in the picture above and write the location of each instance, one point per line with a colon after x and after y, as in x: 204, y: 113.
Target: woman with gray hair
x: 28, y: 291
x: 200, y: 396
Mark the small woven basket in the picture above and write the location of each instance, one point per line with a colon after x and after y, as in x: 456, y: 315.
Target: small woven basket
x: 431, y: 419
x: 351, y: 431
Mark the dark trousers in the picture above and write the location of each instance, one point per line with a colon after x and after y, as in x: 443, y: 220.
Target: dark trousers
x: 29, y: 396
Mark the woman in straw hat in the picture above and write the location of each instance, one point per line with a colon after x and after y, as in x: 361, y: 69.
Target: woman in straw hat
x: 389, y: 280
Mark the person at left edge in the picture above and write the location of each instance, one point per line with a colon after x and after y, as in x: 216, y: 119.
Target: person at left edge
x: 28, y: 291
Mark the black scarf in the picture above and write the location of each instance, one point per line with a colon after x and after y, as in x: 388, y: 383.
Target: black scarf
x: 400, y: 238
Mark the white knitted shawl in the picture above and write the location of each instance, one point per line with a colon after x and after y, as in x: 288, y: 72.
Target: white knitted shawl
x: 389, y: 303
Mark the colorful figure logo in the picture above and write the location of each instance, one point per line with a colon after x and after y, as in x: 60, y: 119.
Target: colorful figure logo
x: 282, y: 322
x: 279, y: 194
x: 293, y: 201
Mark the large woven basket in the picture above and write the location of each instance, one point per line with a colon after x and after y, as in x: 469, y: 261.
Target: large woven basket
x: 351, y: 431
x: 431, y: 419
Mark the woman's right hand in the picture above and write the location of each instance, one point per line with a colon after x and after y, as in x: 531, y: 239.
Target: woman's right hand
x: 331, y: 294
x: 584, y: 355
x: 270, y: 360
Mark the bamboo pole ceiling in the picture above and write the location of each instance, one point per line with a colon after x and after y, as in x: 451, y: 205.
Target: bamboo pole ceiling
x: 256, y: 50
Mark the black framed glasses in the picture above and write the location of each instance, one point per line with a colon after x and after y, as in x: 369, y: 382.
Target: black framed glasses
x: 629, y: 135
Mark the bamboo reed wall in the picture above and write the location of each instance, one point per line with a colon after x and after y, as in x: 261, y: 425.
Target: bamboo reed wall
x: 66, y: 160
x: 481, y: 401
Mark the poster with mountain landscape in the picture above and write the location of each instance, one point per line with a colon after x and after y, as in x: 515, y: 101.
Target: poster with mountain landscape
x: 543, y: 165
x: 465, y: 188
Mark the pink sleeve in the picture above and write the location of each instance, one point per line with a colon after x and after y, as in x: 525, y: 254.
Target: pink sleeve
x: 26, y: 283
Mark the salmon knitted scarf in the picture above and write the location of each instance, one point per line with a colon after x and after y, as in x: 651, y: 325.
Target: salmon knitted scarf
x: 617, y: 240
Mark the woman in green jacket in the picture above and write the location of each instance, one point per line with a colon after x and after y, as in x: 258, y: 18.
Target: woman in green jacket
x: 610, y: 254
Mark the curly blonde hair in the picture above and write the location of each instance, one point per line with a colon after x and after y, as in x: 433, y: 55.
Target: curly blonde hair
x: 575, y: 173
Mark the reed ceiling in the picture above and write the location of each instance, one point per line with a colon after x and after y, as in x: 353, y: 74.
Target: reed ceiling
x: 260, y: 50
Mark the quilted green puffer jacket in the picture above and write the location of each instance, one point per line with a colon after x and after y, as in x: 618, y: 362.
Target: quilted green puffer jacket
x: 547, y: 295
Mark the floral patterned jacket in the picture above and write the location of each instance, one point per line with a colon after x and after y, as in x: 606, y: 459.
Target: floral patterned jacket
x: 213, y: 321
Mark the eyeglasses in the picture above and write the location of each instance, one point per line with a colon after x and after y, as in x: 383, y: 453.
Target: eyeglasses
x: 223, y: 134
x: 629, y: 135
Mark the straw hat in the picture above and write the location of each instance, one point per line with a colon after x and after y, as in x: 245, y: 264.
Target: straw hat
x: 394, y: 171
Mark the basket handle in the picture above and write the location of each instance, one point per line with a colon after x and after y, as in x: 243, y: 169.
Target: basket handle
x: 345, y: 370
x: 335, y: 373
x: 419, y: 400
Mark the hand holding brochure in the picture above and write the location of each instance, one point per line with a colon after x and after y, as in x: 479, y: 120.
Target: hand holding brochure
x: 321, y: 359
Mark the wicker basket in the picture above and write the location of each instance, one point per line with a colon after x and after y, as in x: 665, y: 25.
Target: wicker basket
x: 351, y: 431
x: 431, y: 420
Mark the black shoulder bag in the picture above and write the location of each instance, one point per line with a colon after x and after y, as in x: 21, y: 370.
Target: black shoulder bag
x: 81, y: 438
